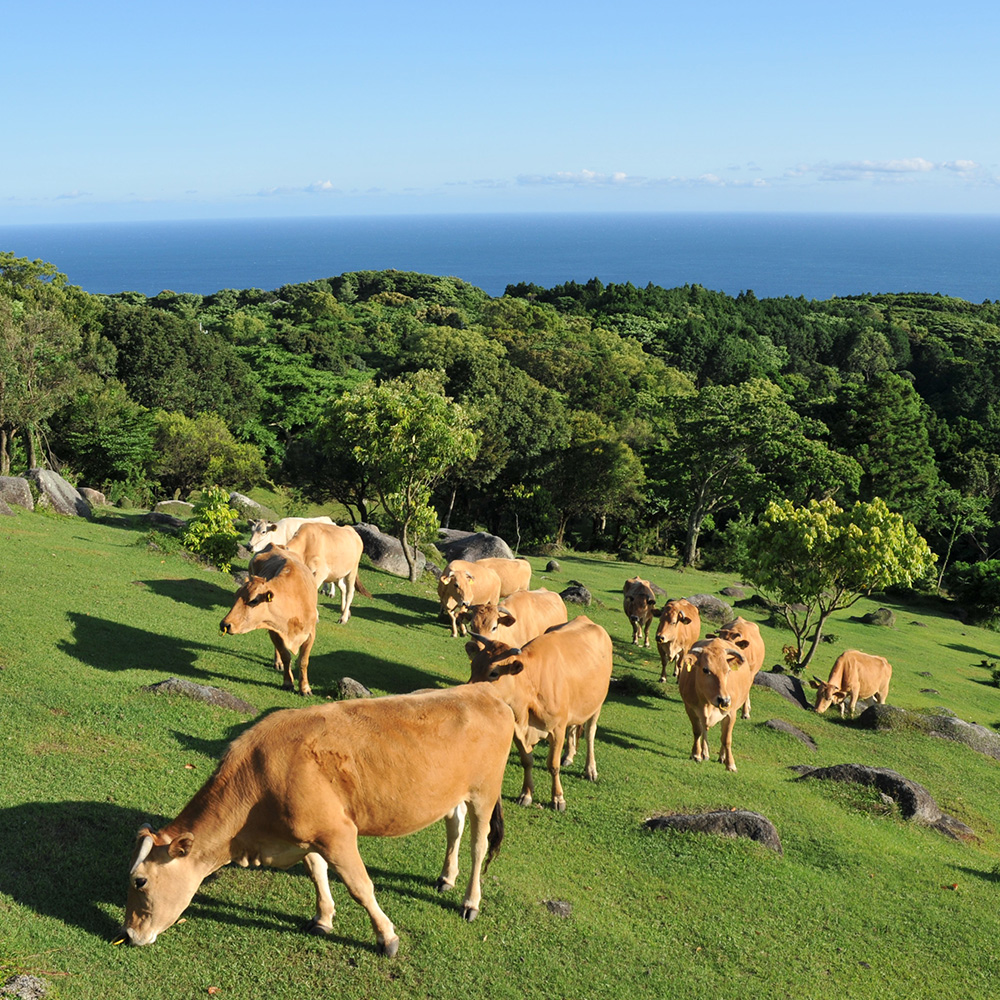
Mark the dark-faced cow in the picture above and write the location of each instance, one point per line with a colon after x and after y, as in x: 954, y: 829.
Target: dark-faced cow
x: 639, y: 604
x: 854, y: 677
x: 280, y: 595
x: 515, y: 574
x: 746, y: 637
x: 558, y: 681
x: 678, y: 630
x: 463, y: 584
x: 519, y: 618
x: 714, y: 681
x: 264, y: 533
x: 304, y: 784
x: 332, y: 552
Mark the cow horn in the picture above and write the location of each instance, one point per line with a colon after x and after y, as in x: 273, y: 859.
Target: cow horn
x: 145, y: 846
x: 480, y: 638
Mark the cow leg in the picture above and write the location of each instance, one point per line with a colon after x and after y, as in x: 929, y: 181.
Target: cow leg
x: 454, y: 824
x: 556, y: 739
x: 340, y: 849
x: 636, y: 632
x: 746, y: 707
x: 304, y: 688
x: 322, y: 923
x: 589, y: 732
x: 726, y: 755
x: 479, y: 831
x: 572, y: 738
x: 346, y: 586
x: 698, y: 728
x: 527, y: 765
x: 646, y: 643
x: 283, y: 661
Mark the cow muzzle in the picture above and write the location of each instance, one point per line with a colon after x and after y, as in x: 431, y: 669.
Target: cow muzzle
x: 225, y: 628
x: 722, y: 702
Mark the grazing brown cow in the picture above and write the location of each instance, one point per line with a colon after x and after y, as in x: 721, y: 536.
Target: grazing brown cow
x: 714, y: 681
x: 746, y: 637
x: 556, y: 682
x: 465, y: 583
x: 264, y: 533
x: 304, y: 784
x: 519, y: 619
x: 639, y: 604
x: 678, y: 631
x: 280, y: 595
x: 332, y: 552
x: 854, y: 677
x: 515, y: 574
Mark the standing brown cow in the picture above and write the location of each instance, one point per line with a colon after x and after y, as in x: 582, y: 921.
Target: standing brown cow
x: 519, y: 619
x: 854, y: 676
x: 463, y: 584
x: 280, y: 595
x: 515, y: 574
x: 678, y: 631
x: 639, y: 604
x: 746, y: 637
x: 332, y: 552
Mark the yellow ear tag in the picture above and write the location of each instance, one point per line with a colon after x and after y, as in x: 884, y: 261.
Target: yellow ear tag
x: 270, y: 597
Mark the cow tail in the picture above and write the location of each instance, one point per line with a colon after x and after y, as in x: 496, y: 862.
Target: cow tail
x: 495, y: 838
x: 360, y: 587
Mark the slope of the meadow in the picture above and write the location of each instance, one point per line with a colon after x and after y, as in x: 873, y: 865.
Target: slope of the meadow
x: 861, y: 903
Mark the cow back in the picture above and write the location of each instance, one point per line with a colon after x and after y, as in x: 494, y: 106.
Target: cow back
x: 514, y: 574
x: 465, y: 582
x: 329, y: 550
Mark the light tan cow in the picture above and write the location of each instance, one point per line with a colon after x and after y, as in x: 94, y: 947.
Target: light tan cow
x: 639, y: 604
x: 332, y: 552
x: 746, y: 637
x: 558, y: 681
x: 854, y: 677
x: 463, y: 584
x: 304, y: 784
x: 264, y: 532
x: 280, y: 596
x: 714, y: 682
x: 520, y: 617
x: 677, y: 632
x: 515, y: 574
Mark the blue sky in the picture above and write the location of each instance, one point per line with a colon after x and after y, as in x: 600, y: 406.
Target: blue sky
x: 217, y: 109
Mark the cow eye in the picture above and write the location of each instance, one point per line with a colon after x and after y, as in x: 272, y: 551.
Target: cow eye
x: 139, y: 883
x: 705, y: 670
x: 494, y: 674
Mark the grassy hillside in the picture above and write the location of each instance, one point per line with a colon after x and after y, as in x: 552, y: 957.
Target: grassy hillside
x: 861, y: 903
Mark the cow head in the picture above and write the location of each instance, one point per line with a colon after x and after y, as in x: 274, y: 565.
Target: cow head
x: 246, y: 612
x: 640, y: 601
x: 827, y: 695
x: 491, y: 659
x: 670, y: 617
x: 485, y: 619
x: 259, y: 530
x: 162, y: 881
x: 713, y: 661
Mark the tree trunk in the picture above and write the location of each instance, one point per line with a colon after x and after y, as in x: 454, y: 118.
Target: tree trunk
x: 411, y: 563
x: 451, y: 507
x: 947, y: 555
x: 815, y: 641
x: 29, y: 442
x: 4, y: 452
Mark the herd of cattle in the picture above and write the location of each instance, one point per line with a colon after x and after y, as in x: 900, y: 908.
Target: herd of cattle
x: 304, y: 784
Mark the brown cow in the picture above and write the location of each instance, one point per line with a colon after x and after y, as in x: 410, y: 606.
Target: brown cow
x: 640, y: 606
x: 746, y: 637
x: 854, y: 677
x: 280, y: 595
x: 465, y: 583
x: 332, y: 552
x: 678, y: 631
x: 304, y: 784
x: 714, y: 682
x: 559, y: 680
x: 519, y: 619
x: 515, y: 574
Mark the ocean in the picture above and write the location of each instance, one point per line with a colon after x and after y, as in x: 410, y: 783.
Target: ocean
x: 816, y: 256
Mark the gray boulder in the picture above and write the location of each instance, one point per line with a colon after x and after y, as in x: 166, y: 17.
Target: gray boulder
x: 386, y: 552
x: 914, y: 801
x: 576, y: 593
x: 723, y: 823
x: 735, y: 592
x: 713, y: 608
x: 58, y: 494
x: 246, y: 506
x: 25, y: 987
x: 349, y: 688
x: 201, y: 692
x: 940, y: 723
x: 552, y: 566
x: 16, y: 491
x: 5, y: 508
x: 176, y: 508
x: 94, y: 497
x: 882, y: 616
x: 787, y: 685
x: 779, y: 725
x: 472, y: 545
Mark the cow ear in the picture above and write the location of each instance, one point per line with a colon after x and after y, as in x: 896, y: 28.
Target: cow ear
x: 472, y: 647
x: 814, y: 682
x: 506, y: 619
x: 514, y: 667
x: 742, y: 643
x: 735, y: 655
x: 685, y: 619
x: 711, y: 635
x: 689, y: 661
x: 180, y: 847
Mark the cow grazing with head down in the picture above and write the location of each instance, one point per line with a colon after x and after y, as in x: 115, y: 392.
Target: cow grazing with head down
x: 854, y: 677
x: 639, y: 604
x: 714, y: 681
x: 280, y: 596
x: 463, y: 584
x: 332, y: 552
x: 515, y: 574
x: 520, y: 617
x: 556, y: 682
x: 304, y: 784
x: 677, y: 632
x: 746, y: 637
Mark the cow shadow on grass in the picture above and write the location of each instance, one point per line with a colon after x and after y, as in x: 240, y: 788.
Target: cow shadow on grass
x: 402, y: 609
x: 197, y: 593
x: 326, y: 670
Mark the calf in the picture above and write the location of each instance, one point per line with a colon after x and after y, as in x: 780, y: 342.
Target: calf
x: 304, y: 784
x: 714, y: 682
x: 854, y: 677
x: 678, y: 631
x: 639, y: 604
x: 557, y: 681
x: 280, y: 596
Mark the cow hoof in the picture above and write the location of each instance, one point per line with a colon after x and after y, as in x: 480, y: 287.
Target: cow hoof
x: 590, y: 775
x: 524, y: 800
x: 559, y: 805
x: 469, y: 913
x: 315, y: 928
x: 389, y: 948
x: 442, y: 886
x: 305, y: 693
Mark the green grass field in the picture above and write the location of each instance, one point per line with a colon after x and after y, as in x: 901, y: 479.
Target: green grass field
x: 861, y: 904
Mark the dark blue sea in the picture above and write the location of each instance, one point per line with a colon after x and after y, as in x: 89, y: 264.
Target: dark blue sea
x: 816, y: 256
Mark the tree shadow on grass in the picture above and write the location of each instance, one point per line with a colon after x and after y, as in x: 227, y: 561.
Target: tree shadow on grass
x: 973, y: 650
x: 196, y: 593
x: 399, y: 610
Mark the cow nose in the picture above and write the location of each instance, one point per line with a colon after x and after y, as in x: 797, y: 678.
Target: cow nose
x: 723, y: 702
x: 225, y: 628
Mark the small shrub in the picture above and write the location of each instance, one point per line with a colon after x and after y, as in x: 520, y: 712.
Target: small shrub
x: 994, y: 668
x: 212, y: 533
